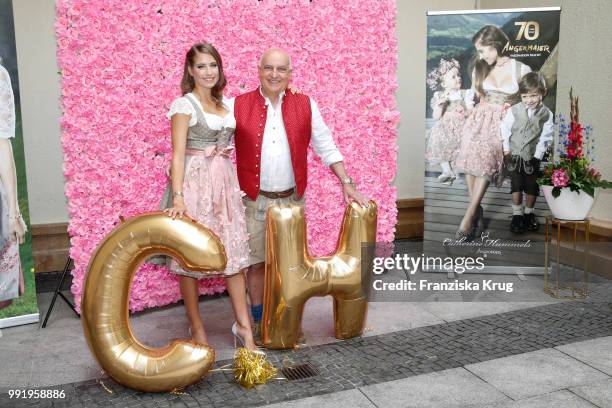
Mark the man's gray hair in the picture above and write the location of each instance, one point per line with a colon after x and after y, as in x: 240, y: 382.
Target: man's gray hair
x: 260, y: 65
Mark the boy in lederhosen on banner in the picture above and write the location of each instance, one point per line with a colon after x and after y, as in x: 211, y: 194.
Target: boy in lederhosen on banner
x: 526, y: 131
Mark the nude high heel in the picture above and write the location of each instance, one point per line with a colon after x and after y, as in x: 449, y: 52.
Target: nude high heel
x: 238, y: 338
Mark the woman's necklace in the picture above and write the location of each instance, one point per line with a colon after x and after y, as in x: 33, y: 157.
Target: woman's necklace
x: 501, y: 64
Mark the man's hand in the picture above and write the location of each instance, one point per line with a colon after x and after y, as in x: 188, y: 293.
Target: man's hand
x: 294, y: 90
x: 351, y: 193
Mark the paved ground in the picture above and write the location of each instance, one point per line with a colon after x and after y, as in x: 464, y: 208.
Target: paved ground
x: 481, y: 361
x: 440, y: 350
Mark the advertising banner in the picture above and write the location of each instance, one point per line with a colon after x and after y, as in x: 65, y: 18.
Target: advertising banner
x: 17, y: 286
x: 491, y: 90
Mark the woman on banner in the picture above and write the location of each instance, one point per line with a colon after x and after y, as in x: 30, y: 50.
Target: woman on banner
x: 495, y: 81
x: 12, y: 226
x: 204, y: 183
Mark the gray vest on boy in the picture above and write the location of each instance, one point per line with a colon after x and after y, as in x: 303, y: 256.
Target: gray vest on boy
x: 526, y: 130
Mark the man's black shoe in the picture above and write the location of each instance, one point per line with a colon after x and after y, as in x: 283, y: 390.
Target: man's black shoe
x: 531, y: 222
x: 517, y: 225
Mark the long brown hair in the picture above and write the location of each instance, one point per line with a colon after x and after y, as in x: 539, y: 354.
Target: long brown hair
x: 188, y: 83
x: 487, y: 36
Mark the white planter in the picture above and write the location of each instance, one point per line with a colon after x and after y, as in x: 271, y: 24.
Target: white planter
x: 570, y: 205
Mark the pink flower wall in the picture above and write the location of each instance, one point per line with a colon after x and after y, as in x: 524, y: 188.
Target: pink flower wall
x: 121, y: 63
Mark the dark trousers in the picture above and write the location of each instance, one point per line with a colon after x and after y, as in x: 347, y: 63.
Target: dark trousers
x: 523, y: 175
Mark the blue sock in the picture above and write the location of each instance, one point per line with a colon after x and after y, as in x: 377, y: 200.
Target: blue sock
x: 256, y: 312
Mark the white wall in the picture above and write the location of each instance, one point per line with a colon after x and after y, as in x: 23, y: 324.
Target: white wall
x: 40, y: 95
x: 584, y: 62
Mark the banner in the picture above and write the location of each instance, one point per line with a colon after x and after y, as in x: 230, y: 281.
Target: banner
x: 17, y: 287
x: 485, y: 142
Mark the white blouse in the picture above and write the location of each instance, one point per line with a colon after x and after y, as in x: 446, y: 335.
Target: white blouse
x: 214, y: 121
x: 7, y: 106
x: 467, y: 95
x: 510, y: 88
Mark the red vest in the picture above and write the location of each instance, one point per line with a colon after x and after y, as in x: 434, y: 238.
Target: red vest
x: 250, y: 111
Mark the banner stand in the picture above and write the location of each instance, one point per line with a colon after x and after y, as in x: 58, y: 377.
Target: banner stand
x: 58, y: 291
x: 476, y: 60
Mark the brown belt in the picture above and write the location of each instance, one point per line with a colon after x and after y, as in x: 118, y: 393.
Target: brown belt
x: 273, y: 195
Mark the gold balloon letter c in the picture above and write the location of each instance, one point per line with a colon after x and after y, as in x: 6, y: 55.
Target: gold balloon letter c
x: 104, y: 309
x: 293, y: 276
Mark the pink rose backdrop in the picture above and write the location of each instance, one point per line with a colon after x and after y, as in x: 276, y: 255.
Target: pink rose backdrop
x: 121, y: 63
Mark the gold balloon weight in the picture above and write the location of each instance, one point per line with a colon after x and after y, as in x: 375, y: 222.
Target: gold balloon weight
x: 292, y: 276
x: 104, y: 308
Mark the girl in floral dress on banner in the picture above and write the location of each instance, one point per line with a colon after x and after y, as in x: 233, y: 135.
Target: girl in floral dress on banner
x: 495, y: 82
x: 204, y: 184
x: 450, y: 105
x: 12, y: 226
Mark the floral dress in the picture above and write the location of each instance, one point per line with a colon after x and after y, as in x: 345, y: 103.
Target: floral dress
x: 210, y: 188
x: 11, y: 275
x: 481, y: 152
x: 445, y: 135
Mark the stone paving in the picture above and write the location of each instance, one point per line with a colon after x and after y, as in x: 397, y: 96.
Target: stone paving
x: 364, y: 361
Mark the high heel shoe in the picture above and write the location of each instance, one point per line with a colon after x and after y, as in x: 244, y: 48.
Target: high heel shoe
x: 239, y: 338
x: 464, y: 235
x: 447, y: 178
x: 191, y: 337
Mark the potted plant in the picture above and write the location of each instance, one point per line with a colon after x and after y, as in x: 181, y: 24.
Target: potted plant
x: 569, y: 182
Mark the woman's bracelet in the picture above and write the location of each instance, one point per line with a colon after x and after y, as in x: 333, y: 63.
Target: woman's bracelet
x: 177, y: 194
x: 15, y: 217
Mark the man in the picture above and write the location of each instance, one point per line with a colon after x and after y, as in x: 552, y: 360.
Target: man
x: 273, y: 131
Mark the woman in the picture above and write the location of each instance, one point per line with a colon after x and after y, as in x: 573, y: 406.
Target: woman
x: 12, y: 227
x: 495, y: 82
x: 204, y: 184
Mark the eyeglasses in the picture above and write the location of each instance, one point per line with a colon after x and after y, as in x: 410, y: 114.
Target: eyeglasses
x: 268, y: 69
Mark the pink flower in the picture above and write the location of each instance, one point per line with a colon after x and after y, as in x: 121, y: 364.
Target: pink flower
x: 560, y: 178
x: 121, y: 66
x: 594, y: 173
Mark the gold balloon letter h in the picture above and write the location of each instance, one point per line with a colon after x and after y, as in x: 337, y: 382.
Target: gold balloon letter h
x: 293, y: 276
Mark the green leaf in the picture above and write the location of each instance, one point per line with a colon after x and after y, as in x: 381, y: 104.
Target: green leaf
x: 556, y: 192
x: 589, y: 190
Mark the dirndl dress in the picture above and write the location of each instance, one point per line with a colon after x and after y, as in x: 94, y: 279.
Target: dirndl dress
x: 211, y: 191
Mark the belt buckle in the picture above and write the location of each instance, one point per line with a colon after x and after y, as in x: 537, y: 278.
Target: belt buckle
x: 275, y: 195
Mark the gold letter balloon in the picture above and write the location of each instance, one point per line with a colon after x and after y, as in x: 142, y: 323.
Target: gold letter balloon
x: 293, y: 276
x: 104, y: 308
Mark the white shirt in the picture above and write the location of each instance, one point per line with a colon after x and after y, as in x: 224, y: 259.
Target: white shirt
x: 213, y: 121
x: 276, y: 168
x: 545, y: 138
x: 7, y: 106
